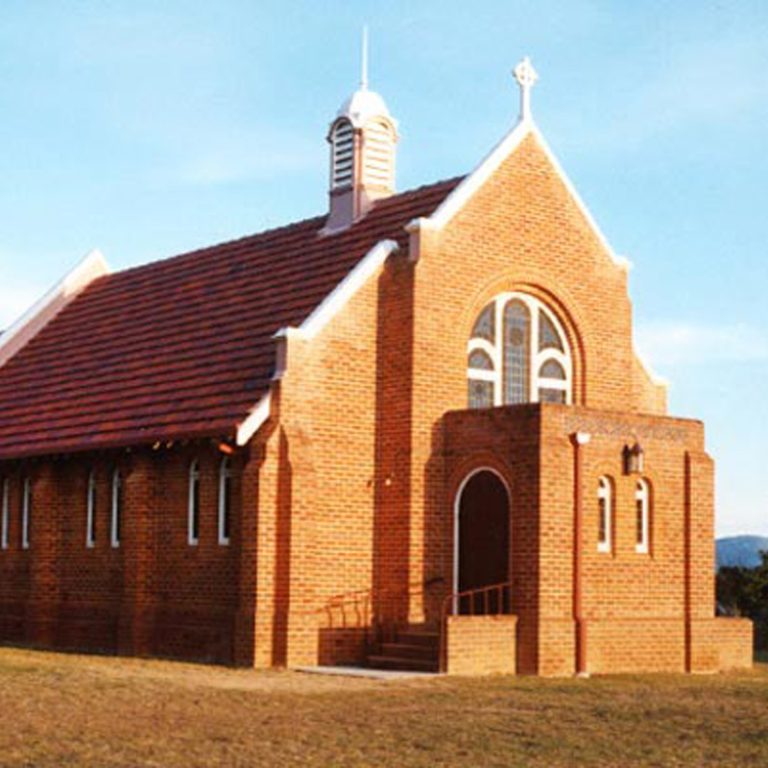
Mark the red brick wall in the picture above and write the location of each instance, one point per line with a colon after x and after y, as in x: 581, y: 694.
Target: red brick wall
x: 635, y: 606
x: 521, y: 231
x: 346, y: 497
x: 721, y: 644
x: 154, y: 594
x: 361, y: 440
x: 480, y: 645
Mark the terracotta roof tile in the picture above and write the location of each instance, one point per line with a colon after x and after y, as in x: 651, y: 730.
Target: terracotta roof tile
x: 182, y: 348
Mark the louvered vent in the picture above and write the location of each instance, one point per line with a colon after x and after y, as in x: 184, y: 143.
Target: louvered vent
x: 379, y: 155
x: 343, y: 155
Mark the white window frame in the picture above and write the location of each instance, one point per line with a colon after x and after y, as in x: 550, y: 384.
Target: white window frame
x: 90, y: 511
x: 605, y: 495
x: 194, y: 479
x: 26, y: 505
x: 536, y: 358
x: 225, y: 500
x: 5, y: 513
x: 643, y: 497
x: 116, y: 512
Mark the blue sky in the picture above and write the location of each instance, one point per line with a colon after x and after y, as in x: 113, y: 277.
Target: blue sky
x: 146, y: 129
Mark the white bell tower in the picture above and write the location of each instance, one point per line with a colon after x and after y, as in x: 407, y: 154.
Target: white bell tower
x: 362, y: 136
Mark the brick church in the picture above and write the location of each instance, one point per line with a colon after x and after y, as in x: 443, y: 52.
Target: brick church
x: 412, y: 432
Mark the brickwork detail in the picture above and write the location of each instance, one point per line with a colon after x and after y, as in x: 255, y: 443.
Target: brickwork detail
x: 481, y: 645
x: 344, y: 503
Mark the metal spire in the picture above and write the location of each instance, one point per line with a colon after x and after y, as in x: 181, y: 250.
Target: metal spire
x: 364, y: 62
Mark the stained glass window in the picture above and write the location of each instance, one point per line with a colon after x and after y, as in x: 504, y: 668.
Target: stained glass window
x: 518, y: 353
x: 549, y: 338
x: 485, y: 326
x: 547, y: 395
x: 552, y: 370
x: 517, y: 324
x: 480, y: 360
x: 480, y: 393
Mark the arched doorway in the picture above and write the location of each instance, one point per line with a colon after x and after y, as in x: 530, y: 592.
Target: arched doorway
x: 482, y: 533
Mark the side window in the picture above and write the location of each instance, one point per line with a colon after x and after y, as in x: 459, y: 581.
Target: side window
x: 604, y: 514
x: 117, y: 509
x: 225, y: 500
x: 5, y: 516
x: 642, y: 516
x: 90, y: 511
x: 26, y: 512
x: 193, y: 504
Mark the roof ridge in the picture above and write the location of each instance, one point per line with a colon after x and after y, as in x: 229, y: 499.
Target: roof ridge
x: 283, y: 228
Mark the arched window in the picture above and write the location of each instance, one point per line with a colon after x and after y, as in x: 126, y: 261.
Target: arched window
x: 225, y: 499
x: 117, y: 509
x: 26, y: 512
x: 5, y: 513
x: 604, y: 514
x: 642, y: 516
x: 518, y: 353
x: 90, y: 512
x: 193, y: 504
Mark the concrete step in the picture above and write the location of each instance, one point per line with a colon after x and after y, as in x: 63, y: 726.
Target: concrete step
x: 423, y: 637
x: 406, y: 651
x: 395, y: 662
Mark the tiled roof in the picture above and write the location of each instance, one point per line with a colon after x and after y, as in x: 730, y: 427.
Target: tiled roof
x: 182, y: 348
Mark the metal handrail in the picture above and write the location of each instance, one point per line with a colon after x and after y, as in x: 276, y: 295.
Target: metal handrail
x: 356, y: 608
x: 452, y: 606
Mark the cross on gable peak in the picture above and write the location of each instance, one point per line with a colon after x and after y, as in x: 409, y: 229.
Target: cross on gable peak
x: 526, y: 77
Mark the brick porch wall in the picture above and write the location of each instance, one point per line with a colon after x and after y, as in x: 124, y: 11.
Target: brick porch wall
x: 481, y: 645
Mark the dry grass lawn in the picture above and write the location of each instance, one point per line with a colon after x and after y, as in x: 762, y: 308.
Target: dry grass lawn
x: 67, y: 710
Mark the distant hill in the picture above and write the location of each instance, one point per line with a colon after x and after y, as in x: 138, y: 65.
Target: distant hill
x: 740, y: 550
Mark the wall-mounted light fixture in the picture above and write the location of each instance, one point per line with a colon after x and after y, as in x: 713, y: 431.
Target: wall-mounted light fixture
x: 634, y: 459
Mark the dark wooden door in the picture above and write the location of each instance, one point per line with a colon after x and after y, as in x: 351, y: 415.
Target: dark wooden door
x: 483, y: 535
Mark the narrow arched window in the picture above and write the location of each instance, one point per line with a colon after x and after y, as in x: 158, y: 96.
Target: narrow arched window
x: 193, y: 504
x: 26, y: 512
x: 517, y: 344
x: 116, y: 531
x: 5, y: 503
x: 225, y: 500
x: 90, y: 511
x: 604, y: 514
x: 642, y: 516
x: 518, y: 353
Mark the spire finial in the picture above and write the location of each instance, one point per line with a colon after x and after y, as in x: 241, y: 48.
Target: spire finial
x: 364, y: 61
x: 526, y: 78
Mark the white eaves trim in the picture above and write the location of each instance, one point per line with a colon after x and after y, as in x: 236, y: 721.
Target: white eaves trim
x: 254, y: 420
x: 659, y: 381
x: 619, y: 261
x: 317, y: 320
x: 471, y: 183
x: 490, y: 164
x: 32, y: 322
x: 337, y: 299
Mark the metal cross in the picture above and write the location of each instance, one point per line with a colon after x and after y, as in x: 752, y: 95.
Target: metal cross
x: 526, y: 78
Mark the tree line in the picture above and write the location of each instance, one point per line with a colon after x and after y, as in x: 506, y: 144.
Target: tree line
x: 744, y: 592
